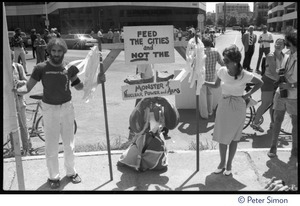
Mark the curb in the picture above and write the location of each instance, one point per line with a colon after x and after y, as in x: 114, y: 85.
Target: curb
x: 119, y: 152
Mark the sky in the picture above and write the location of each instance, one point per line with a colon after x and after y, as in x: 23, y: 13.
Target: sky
x: 211, y: 6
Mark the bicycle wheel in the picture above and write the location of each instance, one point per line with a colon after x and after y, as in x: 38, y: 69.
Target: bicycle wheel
x: 7, y: 149
x: 249, y: 115
x: 286, y: 126
x: 40, y: 128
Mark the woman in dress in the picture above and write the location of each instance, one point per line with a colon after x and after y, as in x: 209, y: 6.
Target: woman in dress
x: 231, y: 111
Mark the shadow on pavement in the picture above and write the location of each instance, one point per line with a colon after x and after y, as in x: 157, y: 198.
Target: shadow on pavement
x: 140, y: 181
x: 187, y: 122
x: 63, y: 182
x: 215, y: 182
x: 282, y: 170
x: 264, y: 140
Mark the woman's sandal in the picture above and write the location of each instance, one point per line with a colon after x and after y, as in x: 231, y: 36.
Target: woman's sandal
x: 218, y: 171
x: 227, y: 172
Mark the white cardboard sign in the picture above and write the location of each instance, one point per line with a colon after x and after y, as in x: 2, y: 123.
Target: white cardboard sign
x: 136, y: 91
x: 149, y: 44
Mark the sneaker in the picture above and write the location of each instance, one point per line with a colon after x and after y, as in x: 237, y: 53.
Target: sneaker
x: 54, y: 184
x: 257, y: 127
x: 75, y: 179
x: 272, y: 152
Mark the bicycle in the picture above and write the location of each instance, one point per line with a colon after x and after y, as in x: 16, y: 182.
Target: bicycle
x: 36, y: 128
x: 286, y: 126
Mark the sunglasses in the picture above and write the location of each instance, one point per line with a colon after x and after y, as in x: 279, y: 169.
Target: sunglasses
x: 226, y: 61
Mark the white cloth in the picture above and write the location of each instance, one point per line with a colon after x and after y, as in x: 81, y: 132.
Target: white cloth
x: 89, y: 67
x: 146, y: 70
x: 59, y: 122
x: 195, y: 59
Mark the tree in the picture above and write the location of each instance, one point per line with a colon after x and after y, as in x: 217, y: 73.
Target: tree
x: 260, y: 20
x: 209, y: 22
x: 232, y: 21
x: 244, y: 21
x: 220, y: 22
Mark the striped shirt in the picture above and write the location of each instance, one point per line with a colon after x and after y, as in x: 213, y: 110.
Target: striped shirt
x: 212, y: 57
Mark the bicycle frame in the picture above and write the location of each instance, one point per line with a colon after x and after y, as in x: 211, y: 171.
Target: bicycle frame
x: 33, y: 131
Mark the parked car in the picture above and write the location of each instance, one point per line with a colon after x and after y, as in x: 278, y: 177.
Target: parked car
x: 26, y: 38
x: 79, y: 41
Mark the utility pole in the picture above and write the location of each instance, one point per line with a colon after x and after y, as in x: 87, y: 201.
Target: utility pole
x: 224, y: 9
x: 47, y: 20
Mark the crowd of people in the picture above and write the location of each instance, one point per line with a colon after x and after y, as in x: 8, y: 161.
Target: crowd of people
x: 278, y: 86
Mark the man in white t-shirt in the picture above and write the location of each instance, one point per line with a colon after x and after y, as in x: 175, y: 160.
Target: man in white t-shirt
x: 264, y: 48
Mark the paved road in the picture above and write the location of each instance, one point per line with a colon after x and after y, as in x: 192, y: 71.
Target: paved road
x: 90, y: 118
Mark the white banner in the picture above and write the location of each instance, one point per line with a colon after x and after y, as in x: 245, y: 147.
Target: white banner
x: 151, y: 90
x: 149, y: 44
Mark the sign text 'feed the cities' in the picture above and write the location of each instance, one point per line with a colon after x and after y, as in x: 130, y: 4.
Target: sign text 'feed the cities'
x: 149, y: 44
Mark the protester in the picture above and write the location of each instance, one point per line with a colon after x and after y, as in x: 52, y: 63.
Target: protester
x: 100, y: 36
x: 116, y: 36
x: 212, y: 57
x: 109, y: 36
x: 33, y: 38
x: 285, y: 99
x: 40, y: 46
x: 243, y: 30
x: 231, y: 111
x: 122, y: 36
x: 179, y: 34
x: 249, y: 40
x: 264, y: 48
x: 52, y: 33
x: 20, y: 79
x: 19, y: 48
x: 47, y: 38
x: 274, y: 62
x: 56, y: 33
x: 57, y: 109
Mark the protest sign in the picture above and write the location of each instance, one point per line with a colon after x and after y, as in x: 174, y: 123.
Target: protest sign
x: 151, y: 90
x: 149, y: 44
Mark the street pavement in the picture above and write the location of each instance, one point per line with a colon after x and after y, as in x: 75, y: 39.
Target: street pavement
x: 251, y: 166
x: 251, y: 170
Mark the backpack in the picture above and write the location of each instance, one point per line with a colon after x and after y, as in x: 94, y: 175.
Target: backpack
x: 147, y: 152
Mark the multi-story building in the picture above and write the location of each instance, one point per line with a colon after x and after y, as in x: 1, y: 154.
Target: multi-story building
x: 281, y: 15
x: 237, y: 10
x: 70, y: 17
x: 260, y: 13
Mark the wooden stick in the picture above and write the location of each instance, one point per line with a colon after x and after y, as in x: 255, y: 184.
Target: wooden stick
x: 105, y: 112
x: 18, y: 157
